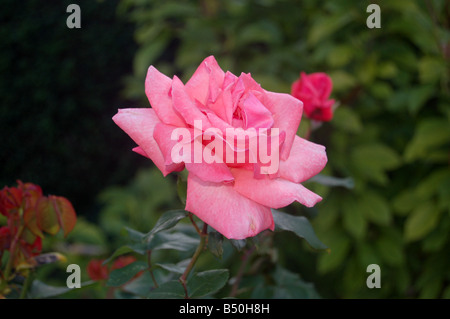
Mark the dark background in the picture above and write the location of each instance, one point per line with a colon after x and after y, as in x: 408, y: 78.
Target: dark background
x: 59, y: 89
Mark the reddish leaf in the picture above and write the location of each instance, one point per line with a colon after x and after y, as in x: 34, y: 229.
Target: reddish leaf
x: 10, y: 200
x: 54, y: 213
x: 30, y: 220
x: 96, y: 270
x: 31, y: 192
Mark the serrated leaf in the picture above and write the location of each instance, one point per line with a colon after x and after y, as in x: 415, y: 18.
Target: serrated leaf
x: 118, y: 252
x: 120, y: 276
x: 422, y: 220
x: 178, y: 268
x: 299, y: 225
x: 40, y: 290
x: 166, y: 221
x: 168, y: 290
x: 175, y: 241
x: 207, y: 282
x: 140, y: 286
x: 54, y: 213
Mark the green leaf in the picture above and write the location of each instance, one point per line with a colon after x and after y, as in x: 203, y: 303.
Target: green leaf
x: 118, y: 252
x: 327, y: 26
x: 375, y: 208
x: 431, y: 69
x: 40, y: 290
x: 290, y: 286
x: 120, y: 276
x: 207, y: 282
x: 430, y: 134
x: 339, y: 248
x: 390, y: 249
x: 176, y: 241
x: 178, y: 268
x: 342, y: 81
x: 167, y: 220
x: 333, y: 181
x: 353, y: 217
x: 346, y: 119
x: 215, y: 241
x: 299, y: 225
x: 168, y: 290
x: 372, y: 160
x: 140, y: 286
x: 422, y: 220
x: 405, y: 201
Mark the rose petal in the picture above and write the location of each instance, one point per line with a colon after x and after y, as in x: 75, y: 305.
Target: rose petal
x: 208, y: 77
x: 256, y: 115
x: 157, y: 89
x: 139, y: 124
x: 185, y: 106
x: 274, y: 193
x: 305, y: 160
x: 287, y: 113
x: 231, y: 214
x: 216, y: 171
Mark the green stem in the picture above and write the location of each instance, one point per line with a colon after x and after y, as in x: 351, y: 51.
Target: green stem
x: 198, y: 251
x: 12, y: 252
x: 26, y: 285
x: 240, y: 273
x: 149, y: 261
x: 195, y: 224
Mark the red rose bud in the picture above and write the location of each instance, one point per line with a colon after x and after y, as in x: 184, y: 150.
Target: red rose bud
x: 314, y: 91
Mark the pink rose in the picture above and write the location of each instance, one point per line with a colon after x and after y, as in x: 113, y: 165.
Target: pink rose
x: 217, y: 108
x: 314, y: 90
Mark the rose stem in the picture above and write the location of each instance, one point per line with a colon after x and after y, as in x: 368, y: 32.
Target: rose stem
x: 240, y: 274
x: 149, y: 261
x: 198, y: 251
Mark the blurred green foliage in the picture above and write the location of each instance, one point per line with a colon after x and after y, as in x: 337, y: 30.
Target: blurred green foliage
x: 390, y: 134
x: 59, y: 88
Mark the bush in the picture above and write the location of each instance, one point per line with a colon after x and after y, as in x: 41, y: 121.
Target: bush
x: 390, y: 134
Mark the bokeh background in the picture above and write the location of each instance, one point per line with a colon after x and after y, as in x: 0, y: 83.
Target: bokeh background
x: 390, y: 135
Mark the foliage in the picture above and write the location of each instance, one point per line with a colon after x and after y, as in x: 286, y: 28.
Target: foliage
x: 27, y: 215
x: 390, y: 134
